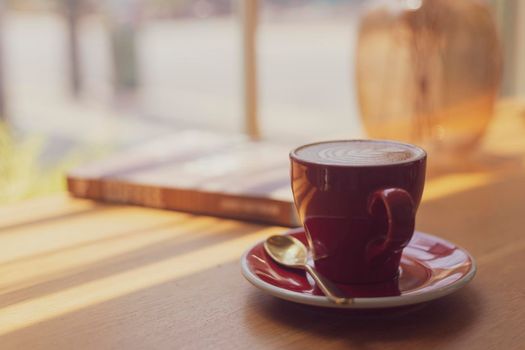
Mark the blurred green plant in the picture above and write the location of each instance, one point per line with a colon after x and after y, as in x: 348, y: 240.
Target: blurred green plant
x: 22, y: 175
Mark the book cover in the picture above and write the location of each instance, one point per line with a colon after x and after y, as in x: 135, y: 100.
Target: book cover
x: 198, y: 172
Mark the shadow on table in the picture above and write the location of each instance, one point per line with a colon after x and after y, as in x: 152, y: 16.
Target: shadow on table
x: 446, y: 317
x: 481, y: 219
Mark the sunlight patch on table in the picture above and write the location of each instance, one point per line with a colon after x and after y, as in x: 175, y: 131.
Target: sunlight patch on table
x: 27, y: 313
x: 18, y: 243
x: 22, y: 273
x: 450, y: 184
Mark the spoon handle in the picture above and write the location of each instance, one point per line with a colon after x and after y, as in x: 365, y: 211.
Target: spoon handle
x: 328, y: 288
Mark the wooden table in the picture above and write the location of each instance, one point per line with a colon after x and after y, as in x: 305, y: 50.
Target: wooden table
x: 75, y: 274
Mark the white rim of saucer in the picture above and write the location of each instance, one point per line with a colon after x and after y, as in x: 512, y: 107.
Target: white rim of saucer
x: 359, y: 303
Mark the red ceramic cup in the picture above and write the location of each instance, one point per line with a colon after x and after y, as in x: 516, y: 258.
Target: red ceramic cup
x: 358, y: 217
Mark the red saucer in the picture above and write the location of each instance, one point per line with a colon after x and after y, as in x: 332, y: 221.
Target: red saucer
x: 431, y: 267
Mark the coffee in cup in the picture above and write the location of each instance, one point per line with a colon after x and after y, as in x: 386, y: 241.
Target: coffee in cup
x: 357, y: 200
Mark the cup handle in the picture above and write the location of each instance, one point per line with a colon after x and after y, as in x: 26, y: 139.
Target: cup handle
x: 397, y: 207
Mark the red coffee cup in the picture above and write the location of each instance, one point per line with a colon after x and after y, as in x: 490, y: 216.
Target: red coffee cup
x: 357, y: 200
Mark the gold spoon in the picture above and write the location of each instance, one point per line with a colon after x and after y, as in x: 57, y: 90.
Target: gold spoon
x: 289, y: 251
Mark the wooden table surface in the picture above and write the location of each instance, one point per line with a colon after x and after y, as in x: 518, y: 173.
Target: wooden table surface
x: 75, y: 274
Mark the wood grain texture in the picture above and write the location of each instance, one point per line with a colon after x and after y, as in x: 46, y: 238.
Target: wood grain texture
x: 140, y: 278
x: 75, y: 274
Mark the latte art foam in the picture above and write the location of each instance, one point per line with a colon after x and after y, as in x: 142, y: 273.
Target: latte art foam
x: 358, y: 152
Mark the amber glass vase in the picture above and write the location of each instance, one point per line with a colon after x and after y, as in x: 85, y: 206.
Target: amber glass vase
x: 428, y: 71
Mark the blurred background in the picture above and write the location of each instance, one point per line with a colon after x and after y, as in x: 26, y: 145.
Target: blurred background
x: 82, y: 78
